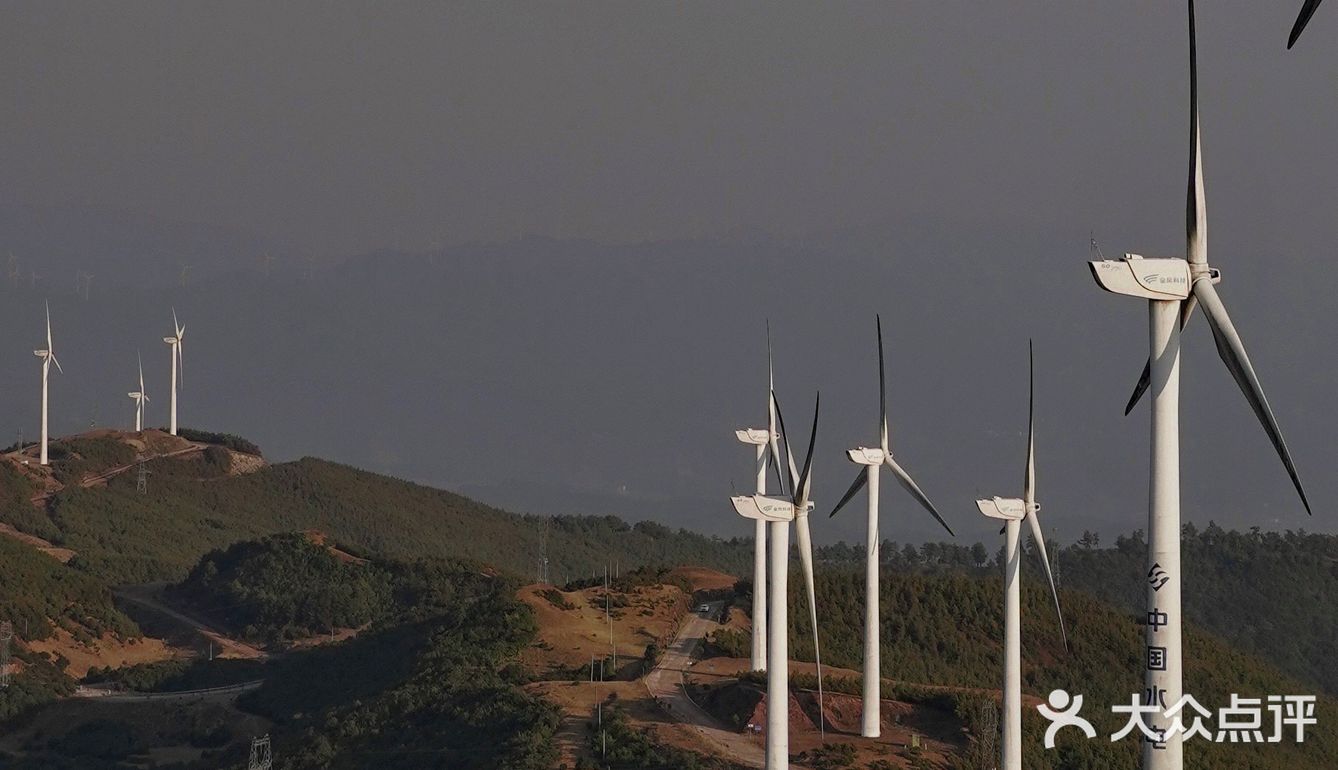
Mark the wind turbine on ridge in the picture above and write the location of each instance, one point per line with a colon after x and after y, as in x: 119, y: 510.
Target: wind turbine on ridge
x: 48, y: 357
x: 1012, y: 511
x: 178, y: 331
x: 1172, y: 287
x: 873, y: 459
x: 140, y: 397
x: 761, y: 438
x: 778, y: 512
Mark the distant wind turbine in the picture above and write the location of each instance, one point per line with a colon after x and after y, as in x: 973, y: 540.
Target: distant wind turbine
x: 140, y: 397
x: 1013, y: 511
x: 178, y: 363
x: 48, y: 357
x: 873, y: 460
x: 779, y: 512
x: 1173, y: 287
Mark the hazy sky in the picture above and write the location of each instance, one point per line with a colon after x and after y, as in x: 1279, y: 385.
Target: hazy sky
x: 702, y: 166
x: 348, y: 126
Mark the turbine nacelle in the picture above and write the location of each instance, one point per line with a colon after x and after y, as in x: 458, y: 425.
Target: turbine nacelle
x: 1162, y: 278
x: 170, y: 340
x: 1006, y: 508
x: 754, y: 436
x: 41, y: 353
x: 867, y: 456
x: 765, y: 508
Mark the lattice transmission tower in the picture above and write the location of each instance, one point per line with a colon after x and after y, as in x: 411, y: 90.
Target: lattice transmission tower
x: 262, y: 758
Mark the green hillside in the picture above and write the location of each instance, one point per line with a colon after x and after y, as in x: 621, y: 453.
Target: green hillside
x: 945, y: 628
x: 426, y: 685
x: 124, y: 536
x: 1272, y: 594
x: 38, y: 595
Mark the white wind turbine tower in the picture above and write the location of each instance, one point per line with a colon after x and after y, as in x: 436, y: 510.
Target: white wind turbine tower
x: 1012, y: 511
x: 48, y: 357
x: 873, y: 460
x: 778, y: 512
x: 140, y: 397
x: 1173, y: 287
x: 174, y: 341
x: 761, y: 438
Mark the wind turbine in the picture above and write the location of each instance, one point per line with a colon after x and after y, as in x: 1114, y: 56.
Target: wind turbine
x: 873, y: 460
x: 1173, y: 287
x: 48, y: 357
x: 761, y: 438
x: 178, y: 362
x: 140, y: 396
x: 1012, y: 511
x: 1303, y: 19
x: 778, y: 512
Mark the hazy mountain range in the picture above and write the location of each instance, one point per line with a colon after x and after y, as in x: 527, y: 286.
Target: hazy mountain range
x: 564, y: 375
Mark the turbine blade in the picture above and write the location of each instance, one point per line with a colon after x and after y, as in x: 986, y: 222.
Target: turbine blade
x: 789, y: 454
x: 141, y: 372
x: 1232, y: 352
x: 1307, y: 11
x: 181, y: 363
x: 1186, y: 311
x: 882, y: 390
x: 1029, y: 480
x: 910, y: 486
x: 1196, y: 210
x: 1049, y: 576
x: 860, y: 481
x: 805, y: 481
x: 175, y: 326
x: 771, y: 417
x: 806, y: 560
x: 48, y: 326
x: 56, y: 361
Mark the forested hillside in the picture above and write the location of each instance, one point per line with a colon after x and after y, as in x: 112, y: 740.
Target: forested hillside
x: 1272, y: 594
x: 946, y: 627
x: 124, y: 536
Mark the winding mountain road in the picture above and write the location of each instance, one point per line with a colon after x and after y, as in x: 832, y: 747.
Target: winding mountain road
x: 665, y: 683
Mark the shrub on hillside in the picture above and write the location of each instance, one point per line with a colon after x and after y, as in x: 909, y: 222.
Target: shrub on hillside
x: 235, y: 443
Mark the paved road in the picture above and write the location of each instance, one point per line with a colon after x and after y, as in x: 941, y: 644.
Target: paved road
x: 147, y: 595
x: 212, y: 693
x: 666, y: 683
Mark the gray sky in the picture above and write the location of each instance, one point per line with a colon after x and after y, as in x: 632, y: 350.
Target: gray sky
x: 353, y: 126
x: 940, y: 162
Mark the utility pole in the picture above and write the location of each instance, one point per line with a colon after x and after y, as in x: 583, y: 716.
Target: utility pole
x: 141, y: 476
x: 6, y: 637
x: 609, y: 617
x: 262, y: 758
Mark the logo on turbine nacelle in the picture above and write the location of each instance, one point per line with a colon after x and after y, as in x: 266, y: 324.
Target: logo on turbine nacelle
x: 866, y: 456
x: 754, y: 436
x: 1009, y: 509
x: 763, y: 507
x: 1135, y: 276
